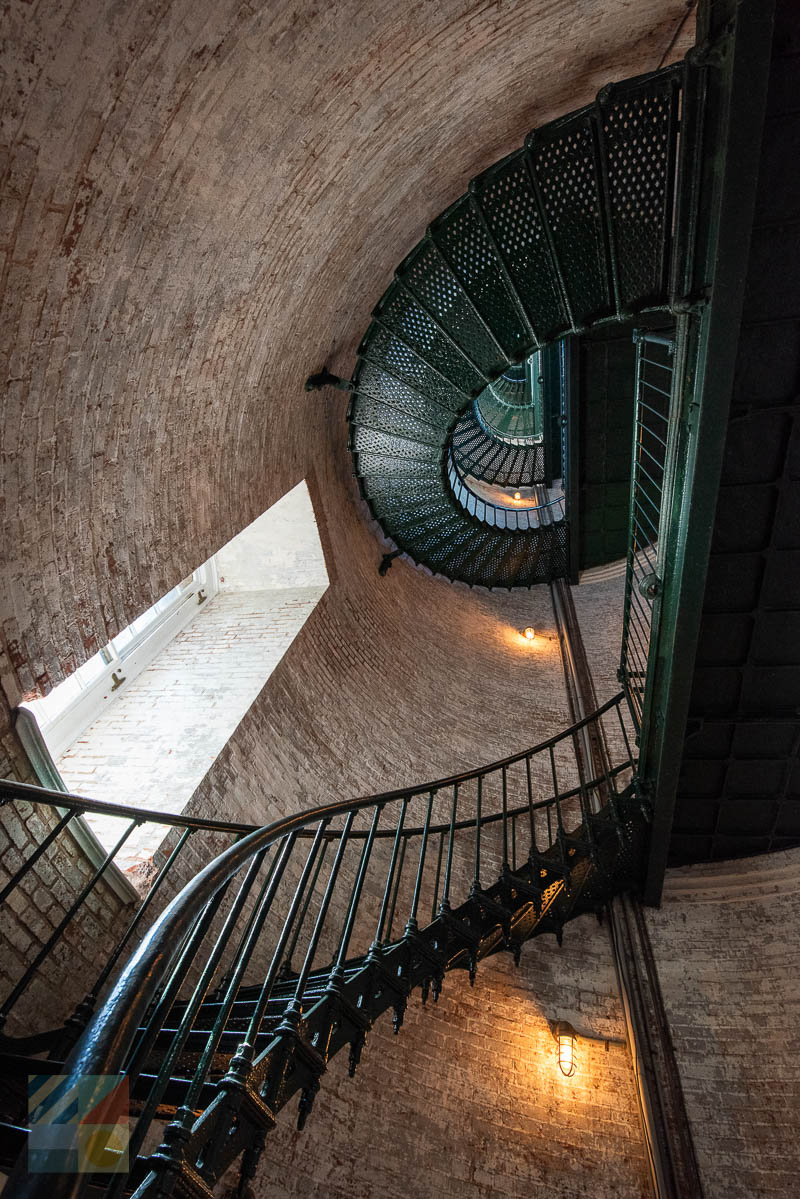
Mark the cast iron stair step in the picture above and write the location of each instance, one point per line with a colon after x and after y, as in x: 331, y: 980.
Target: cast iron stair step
x: 574, y: 227
x: 373, y: 414
x: 393, y: 446
x: 375, y: 379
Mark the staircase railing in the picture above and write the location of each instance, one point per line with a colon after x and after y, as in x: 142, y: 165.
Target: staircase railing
x: 517, y: 520
x: 286, y: 946
x: 654, y: 437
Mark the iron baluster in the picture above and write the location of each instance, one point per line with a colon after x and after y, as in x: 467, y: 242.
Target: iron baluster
x: 445, y: 904
x: 287, y: 965
x: 30, y: 862
x: 155, y: 1023
x: 403, y: 845
x: 531, y: 814
x: 169, y: 1152
x: 625, y: 738
x: 513, y: 842
x: 85, y: 1008
x: 559, y: 817
x: 245, y: 1051
x: 505, y: 821
x: 210, y: 1047
x: 55, y: 936
x: 411, y: 923
x: 256, y: 918
x: 323, y: 910
x: 390, y: 876
x: 435, y: 900
x: 355, y: 898
x: 476, y: 881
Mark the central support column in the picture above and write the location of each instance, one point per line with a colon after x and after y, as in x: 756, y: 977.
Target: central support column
x: 665, y: 1123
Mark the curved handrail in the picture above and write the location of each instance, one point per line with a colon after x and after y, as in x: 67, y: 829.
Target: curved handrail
x: 551, y: 240
x: 160, y: 964
x: 514, y: 520
x: 103, y: 1047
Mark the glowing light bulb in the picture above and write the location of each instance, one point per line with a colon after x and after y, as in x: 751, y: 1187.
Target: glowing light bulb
x: 517, y: 495
x: 529, y: 633
x: 565, y: 1040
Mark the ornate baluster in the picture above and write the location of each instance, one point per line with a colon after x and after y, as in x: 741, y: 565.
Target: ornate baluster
x: 41, y: 848
x: 80, y: 1017
x: 505, y: 821
x: 57, y: 932
x: 403, y: 845
x: 445, y: 904
x: 476, y: 880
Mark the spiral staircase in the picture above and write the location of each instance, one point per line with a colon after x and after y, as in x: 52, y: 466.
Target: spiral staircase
x: 575, y: 228
x: 232, y: 986
x: 285, y: 949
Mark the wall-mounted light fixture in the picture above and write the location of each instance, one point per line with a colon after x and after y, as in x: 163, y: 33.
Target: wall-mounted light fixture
x: 566, y: 1039
x: 517, y: 495
x: 565, y: 1036
x: 529, y: 633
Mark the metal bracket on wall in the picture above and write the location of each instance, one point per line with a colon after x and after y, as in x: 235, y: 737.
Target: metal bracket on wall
x: 324, y: 378
x: 386, y: 562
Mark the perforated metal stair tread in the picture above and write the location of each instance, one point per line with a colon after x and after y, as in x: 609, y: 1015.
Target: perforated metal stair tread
x: 573, y: 228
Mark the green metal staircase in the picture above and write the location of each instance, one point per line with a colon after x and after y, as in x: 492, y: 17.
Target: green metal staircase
x: 573, y: 229
x: 287, y: 947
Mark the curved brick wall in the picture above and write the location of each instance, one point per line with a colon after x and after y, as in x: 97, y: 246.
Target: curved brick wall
x: 728, y: 952
x: 470, y: 1098
x: 203, y: 203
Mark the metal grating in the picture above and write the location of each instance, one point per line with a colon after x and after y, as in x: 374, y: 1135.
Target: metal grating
x: 374, y: 380
x: 362, y: 438
x: 523, y: 258
x: 566, y: 171
x: 373, y: 414
x: 401, y: 313
x: 381, y: 346
x: 478, y: 454
x: 639, y: 131
x: 427, y: 275
x: 506, y: 198
x: 465, y: 244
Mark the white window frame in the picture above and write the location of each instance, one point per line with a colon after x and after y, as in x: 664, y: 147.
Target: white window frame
x: 122, y: 665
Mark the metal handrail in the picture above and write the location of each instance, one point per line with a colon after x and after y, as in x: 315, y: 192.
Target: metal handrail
x: 654, y: 433
x: 177, y: 934
x: 518, y: 520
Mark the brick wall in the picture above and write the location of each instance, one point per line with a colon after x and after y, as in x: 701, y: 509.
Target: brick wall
x: 728, y: 952
x: 153, y: 745
x: 468, y: 1100
x: 204, y: 201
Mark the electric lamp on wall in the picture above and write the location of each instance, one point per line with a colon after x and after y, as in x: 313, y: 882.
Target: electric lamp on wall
x: 565, y: 1036
x: 529, y: 633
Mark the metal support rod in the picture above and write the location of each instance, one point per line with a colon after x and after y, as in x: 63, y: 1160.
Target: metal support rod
x: 403, y: 845
x: 449, y: 865
x: 477, y: 878
x: 412, y: 920
x: 505, y: 819
x: 390, y: 876
x: 55, y: 936
x: 323, y: 910
x: 355, y: 899
x: 30, y: 862
x: 309, y: 895
x: 136, y: 921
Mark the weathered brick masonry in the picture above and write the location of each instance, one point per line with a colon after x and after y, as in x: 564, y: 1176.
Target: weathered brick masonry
x: 203, y: 202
